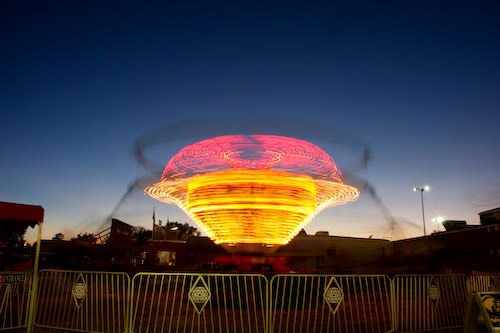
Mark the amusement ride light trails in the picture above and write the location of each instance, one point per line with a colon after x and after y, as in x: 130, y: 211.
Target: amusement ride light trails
x: 252, y: 189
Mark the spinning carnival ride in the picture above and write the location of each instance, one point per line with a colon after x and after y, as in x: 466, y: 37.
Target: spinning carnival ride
x: 252, y: 190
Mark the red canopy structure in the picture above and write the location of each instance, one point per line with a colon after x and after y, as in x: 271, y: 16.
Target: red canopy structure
x: 30, y: 215
x: 16, y: 218
x: 20, y: 216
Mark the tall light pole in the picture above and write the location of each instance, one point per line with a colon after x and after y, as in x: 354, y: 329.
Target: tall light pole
x: 421, y: 190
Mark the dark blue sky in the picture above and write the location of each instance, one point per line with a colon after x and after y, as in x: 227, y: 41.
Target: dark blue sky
x: 416, y: 83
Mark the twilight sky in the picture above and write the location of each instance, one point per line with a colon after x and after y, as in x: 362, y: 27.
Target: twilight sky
x: 413, y: 85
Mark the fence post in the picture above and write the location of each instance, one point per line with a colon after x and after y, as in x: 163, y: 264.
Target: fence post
x: 34, y: 284
x: 393, y: 307
x: 128, y: 325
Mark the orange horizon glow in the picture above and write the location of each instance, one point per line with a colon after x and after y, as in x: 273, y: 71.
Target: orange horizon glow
x: 242, y: 189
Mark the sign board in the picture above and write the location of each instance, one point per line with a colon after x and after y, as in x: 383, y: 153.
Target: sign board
x: 199, y: 294
x: 9, y: 278
x: 79, y: 290
x: 483, y: 310
x: 434, y: 293
x: 491, y: 304
x: 333, y: 295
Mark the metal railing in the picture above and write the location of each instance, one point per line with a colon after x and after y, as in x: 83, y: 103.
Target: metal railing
x: 175, y: 302
x: 483, y: 282
x: 14, y: 300
x: 155, y: 302
x: 329, y: 303
x: 83, y: 301
x: 426, y: 302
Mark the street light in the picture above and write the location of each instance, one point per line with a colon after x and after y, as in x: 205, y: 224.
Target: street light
x: 438, y: 220
x: 421, y: 190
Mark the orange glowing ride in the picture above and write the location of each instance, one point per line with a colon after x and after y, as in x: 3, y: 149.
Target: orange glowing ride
x: 252, y: 189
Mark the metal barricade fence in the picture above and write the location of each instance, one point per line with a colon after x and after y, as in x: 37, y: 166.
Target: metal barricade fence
x: 483, y: 282
x: 330, y: 303
x: 15, y: 290
x: 83, y: 301
x: 174, y: 302
x: 426, y: 302
x: 155, y: 302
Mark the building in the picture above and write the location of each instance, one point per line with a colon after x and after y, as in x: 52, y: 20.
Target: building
x: 461, y: 248
x: 324, y: 253
x: 490, y: 217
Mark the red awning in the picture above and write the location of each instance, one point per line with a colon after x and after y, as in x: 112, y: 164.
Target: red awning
x: 22, y: 213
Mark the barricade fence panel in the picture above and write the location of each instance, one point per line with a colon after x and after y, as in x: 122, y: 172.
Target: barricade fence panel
x: 484, y: 282
x: 102, y: 302
x: 330, y: 303
x: 175, y: 302
x: 426, y: 302
x: 83, y: 301
x: 15, y: 290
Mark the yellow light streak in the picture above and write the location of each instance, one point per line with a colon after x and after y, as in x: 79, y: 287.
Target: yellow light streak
x: 252, y: 205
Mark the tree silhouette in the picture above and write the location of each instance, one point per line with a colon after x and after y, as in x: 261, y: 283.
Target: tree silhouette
x: 58, y: 236
x: 183, y: 228
x: 141, y: 234
x: 85, y: 237
x: 12, y: 234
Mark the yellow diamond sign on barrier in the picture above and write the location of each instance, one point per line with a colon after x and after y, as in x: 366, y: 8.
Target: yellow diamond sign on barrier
x: 333, y: 295
x: 79, y: 290
x: 199, y: 294
x: 434, y: 293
